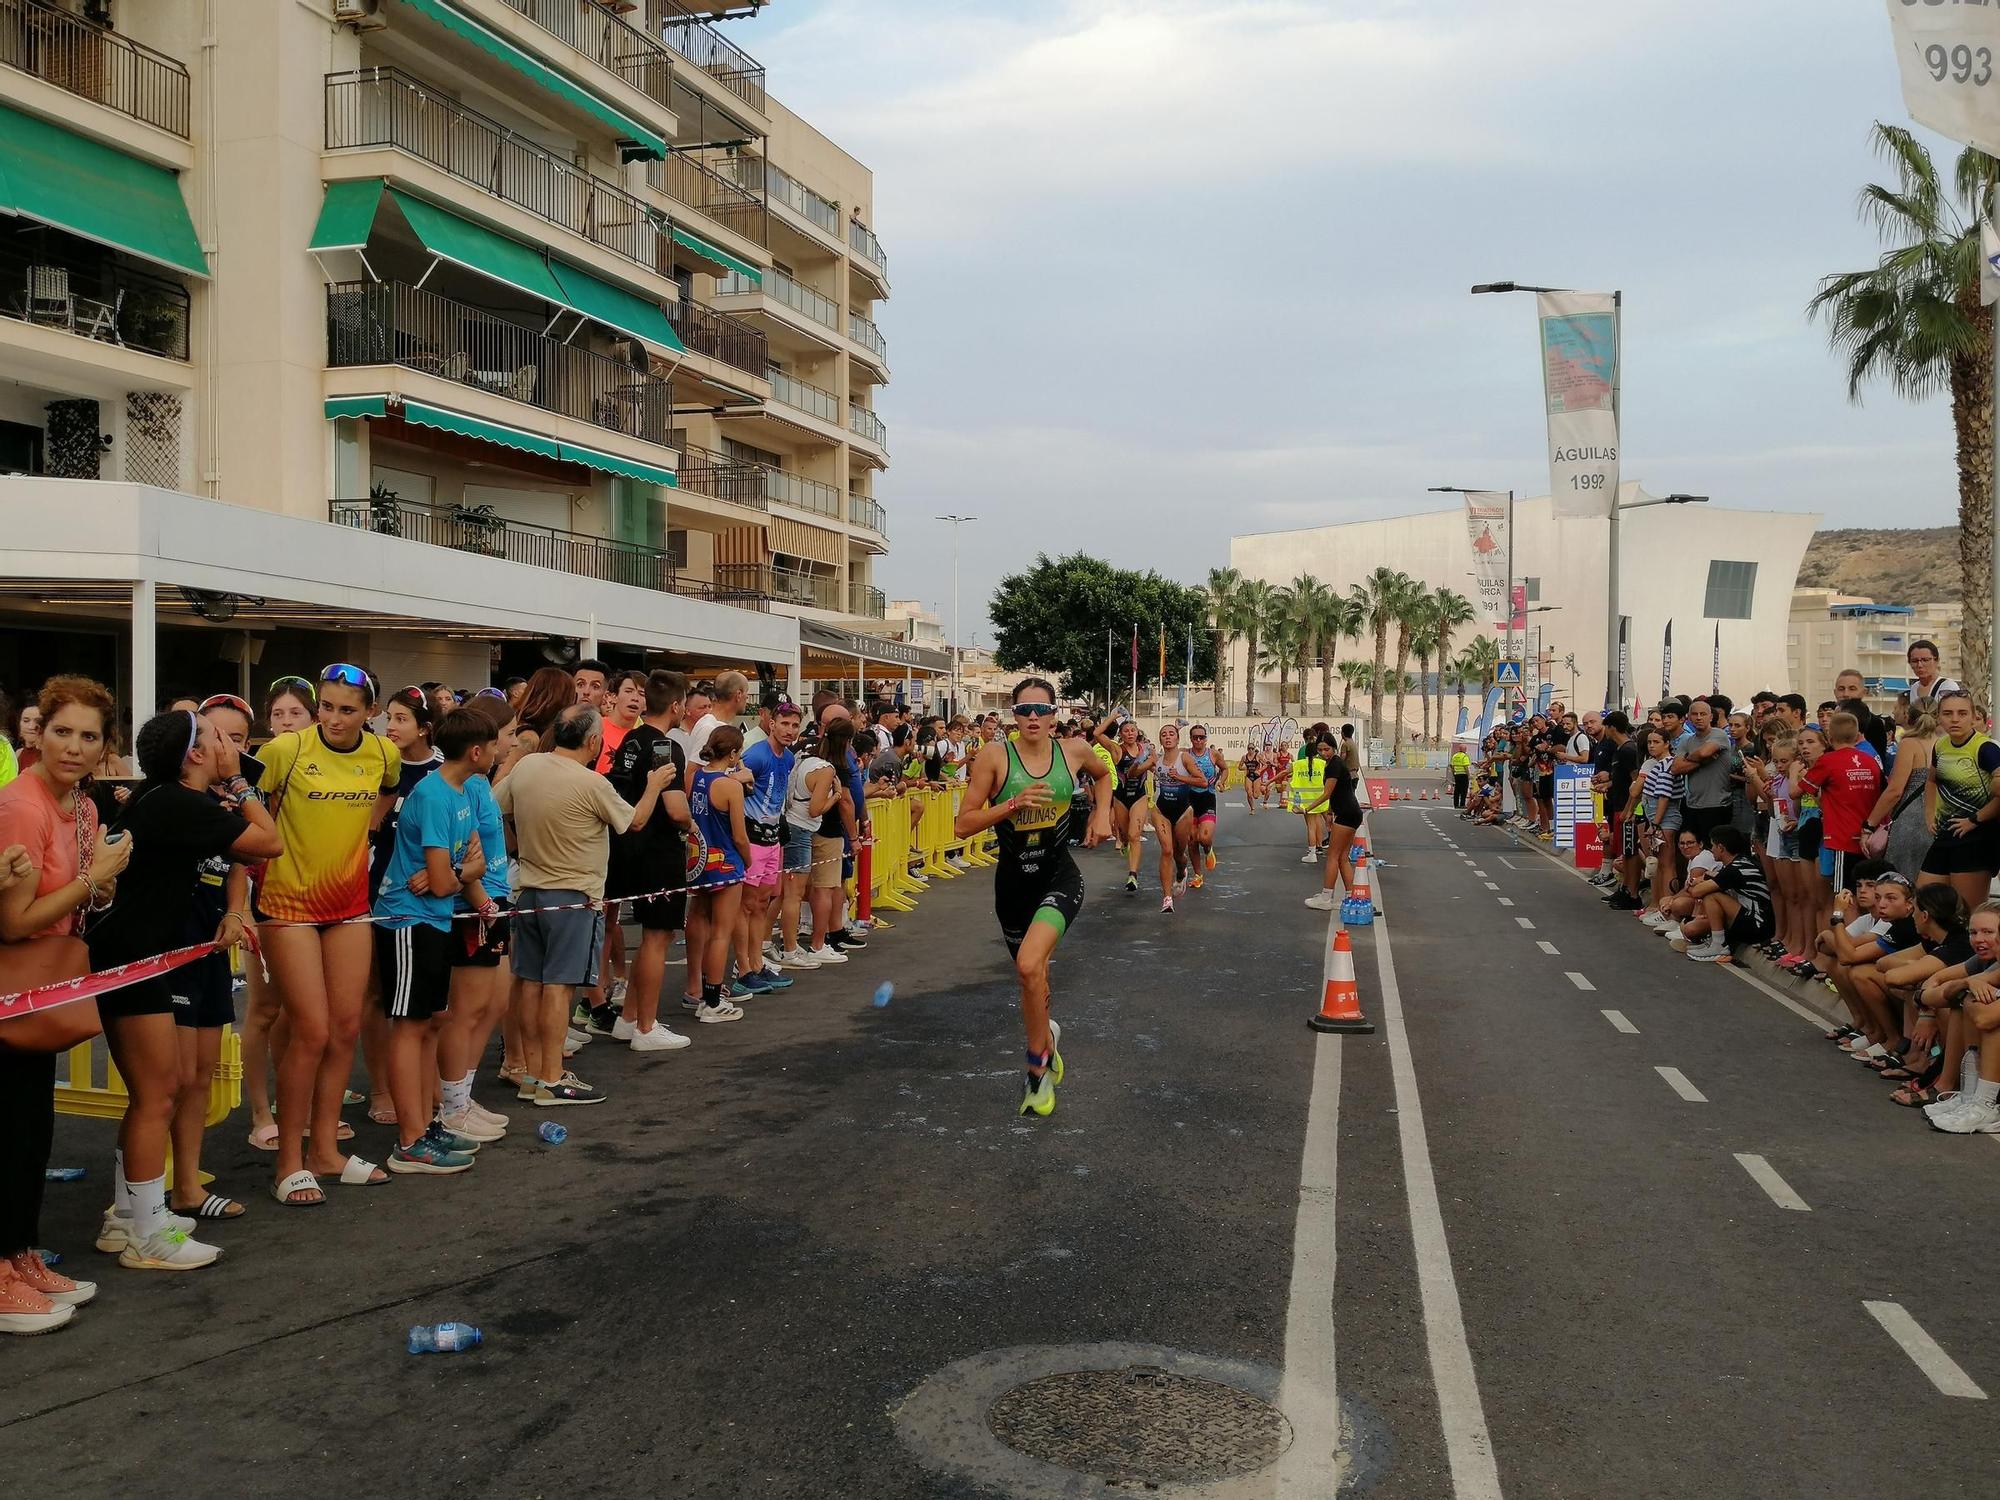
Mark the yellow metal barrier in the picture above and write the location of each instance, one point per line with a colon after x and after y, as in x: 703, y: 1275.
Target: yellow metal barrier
x: 78, y: 1094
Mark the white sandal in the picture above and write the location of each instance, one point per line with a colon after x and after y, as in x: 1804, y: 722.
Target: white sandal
x: 298, y: 1182
x: 359, y: 1173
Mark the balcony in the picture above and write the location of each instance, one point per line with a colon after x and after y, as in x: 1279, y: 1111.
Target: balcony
x: 720, y: 477
x: 863, y: 423
x: 719, y: 336
x: 701, y: 43
x: 378, y: 323
x: 607, y: 40
x: 386, y: 107
x: 867, y: 601
x: 482, y: 533
x: 55, y: 280
x: 864, y: 332
x: 781, y: 585
x: 862, y: 239
x: 810, y: 399
x: 62, y: 48
x: 779, y: 287
x: 801, y: 493
x: 686, y: 179
x: 862, y: 511
x: 782, y: 187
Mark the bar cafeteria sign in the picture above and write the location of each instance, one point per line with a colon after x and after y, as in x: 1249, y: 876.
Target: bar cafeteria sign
x: 1948, y: 52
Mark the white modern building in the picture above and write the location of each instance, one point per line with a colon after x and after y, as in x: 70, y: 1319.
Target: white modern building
x: 1704, y: 568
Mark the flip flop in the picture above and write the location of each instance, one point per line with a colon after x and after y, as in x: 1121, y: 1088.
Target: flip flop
x: 214, y: 1206
x: 298, y: 1182
x: 264, y: 1137
x: 382, y: 1116
x: 344, y: 1133
x: 359, y: 1173
x: 348, y: 1096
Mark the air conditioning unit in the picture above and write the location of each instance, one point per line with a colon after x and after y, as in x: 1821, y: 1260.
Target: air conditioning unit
x: 356, y: 13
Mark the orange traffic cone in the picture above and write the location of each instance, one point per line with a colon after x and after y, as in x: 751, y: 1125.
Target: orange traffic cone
x: 1357, y: 908
x: 1340, y: 1001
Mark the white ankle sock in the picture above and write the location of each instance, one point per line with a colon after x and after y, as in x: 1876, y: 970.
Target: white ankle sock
x: 1987, y: 1091
x: 149, y: 1208
x: 457, y: 1093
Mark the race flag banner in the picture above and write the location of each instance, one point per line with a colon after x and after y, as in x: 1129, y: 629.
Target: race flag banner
x: 1624, y: 657
x: 1949, y: 59
x: 1667, y: 664
x: 1486, y: 524
x: 1715, y: 682
x: 1580, y: 378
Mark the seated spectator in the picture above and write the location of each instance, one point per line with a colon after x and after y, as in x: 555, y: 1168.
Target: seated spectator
x: 1976, y: 1110
x: 1942, y: 944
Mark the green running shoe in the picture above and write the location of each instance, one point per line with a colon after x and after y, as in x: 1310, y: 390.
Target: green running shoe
x: 1038, y: 1095
x: 1055, y: 1051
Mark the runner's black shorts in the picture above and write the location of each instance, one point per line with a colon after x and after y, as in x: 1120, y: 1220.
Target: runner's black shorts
x: 1173, y: 809
x: 1203, y: 804
x: 1053, y: 895
x: 1125, y: 798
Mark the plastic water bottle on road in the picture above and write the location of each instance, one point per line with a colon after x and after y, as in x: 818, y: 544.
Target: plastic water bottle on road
x: 884, y: 993
x: 445, y: 1338
x: 553, y: 1133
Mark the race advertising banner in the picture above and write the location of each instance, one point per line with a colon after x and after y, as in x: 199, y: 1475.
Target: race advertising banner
x: 1947, y: 56
x: 1486, y: 524
x: 1580, y: 379
x: 1574, y: 803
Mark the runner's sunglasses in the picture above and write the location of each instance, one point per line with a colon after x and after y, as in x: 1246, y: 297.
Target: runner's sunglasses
x: 228, y: 700
x: 346, y: 674
x: 1035, y: 710
x: 311, y: 691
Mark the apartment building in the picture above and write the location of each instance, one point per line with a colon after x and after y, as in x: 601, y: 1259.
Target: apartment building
x: 1830, y: 632
x: 449, y: 336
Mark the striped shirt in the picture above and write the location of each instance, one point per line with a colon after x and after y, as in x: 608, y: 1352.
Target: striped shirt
x: 1662, y: 782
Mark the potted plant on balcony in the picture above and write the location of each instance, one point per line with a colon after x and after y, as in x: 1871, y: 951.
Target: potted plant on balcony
x: 152, y: 320
x: 479, y: 529
x: 385, y: 514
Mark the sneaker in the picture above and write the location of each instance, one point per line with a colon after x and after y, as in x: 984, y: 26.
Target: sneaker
x: 1980, y: 1117
x: 1948, y: 1103
x: 659, y: 1039
x: 798, y: 958
x: 1678, y: 944
x: 25, y: 1311
x: 1309, y: 858
x: 52, y: 1284
x: 1038, y: 1096
x: 751, y: 984
x: 1166, y: 903
x: 466, y: 1126
x: 828, y: 954
x: 1709, y: 951
x: 442, y: 1135
x: 575, y: 1038
x: 719, y: 1012
x: 847, y: 937
x: 486, y: 1116
x: 1322, y: 902
x: 428, y: 1157
x: 116, y: 1228
x: 690, y: 1002
x: 579, y: 1015
x: 167, y: 1249
x: 1211, y: 859
x: 773, y: 954
x: 623, y: 1030
x: 615, y: 996
x: 569, y: 1089
x: 1623, y: 901
x: 1194, y: 881
x: 1131, y: 885
x: 775, y: 980
x: 603, y: 1021
x: 1055, y: 1051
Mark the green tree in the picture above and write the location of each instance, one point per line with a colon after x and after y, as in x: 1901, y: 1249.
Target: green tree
x: 1225, y: 623
x: 1057, y: 615
x: 1449, y: 611
x: 1914, y: 319
x: 1380, y: 597
x: 1310, y: 605
x: 1354, y: 673
x: 1280, y: 636
x: 1479, y: 662
x: 1412, y: 620
x: 1253, y: 602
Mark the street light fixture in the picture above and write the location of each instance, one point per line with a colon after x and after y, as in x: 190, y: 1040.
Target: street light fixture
x: 956, y: 691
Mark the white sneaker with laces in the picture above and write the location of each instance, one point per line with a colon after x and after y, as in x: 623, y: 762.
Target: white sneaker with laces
x: 659, y: 1039
x: 1322, y: 902
x: 727, y: 1010
x: 1980, y: 1117
x: 773, y: 954
x: 1712, y: 949
x: 623, y: 1030
x: 798, y: 958
x: 1947, y: 1104
x: 496, y: 1120
x: 828, y: 954
x: 574, y: 1044
x: 1308, y: 858
x: 616, y: 995
x: 167, y: 1249
x: 469, y: 1125
x: 116, y: 1229
x: 578, y: 1038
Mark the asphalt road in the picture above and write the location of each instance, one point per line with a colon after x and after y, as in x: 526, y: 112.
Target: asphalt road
x: 765, y: 1267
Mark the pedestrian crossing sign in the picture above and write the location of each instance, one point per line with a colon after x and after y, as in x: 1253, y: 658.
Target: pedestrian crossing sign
x: 1510, y: 673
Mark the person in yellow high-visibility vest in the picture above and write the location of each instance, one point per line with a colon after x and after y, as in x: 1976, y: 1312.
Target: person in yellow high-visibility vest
x: 1461, y: 776
x: 1308, y: 777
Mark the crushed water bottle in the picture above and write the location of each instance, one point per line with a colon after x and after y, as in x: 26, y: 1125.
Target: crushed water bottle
x: 444, y: 1338
x: 884, y: 993
x: 553, y: 1133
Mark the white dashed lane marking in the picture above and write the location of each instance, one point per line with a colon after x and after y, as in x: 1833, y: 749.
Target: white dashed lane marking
x: 1548, y: 947
x: 1677, y: 1081
x: 1619, y: 1023
x: 1526, y: 924
x: 1491, y: 885
x: 1505, y: 902
x: 1923, y: 1350
x: 1775, y: 1187
x: 1579, y: 981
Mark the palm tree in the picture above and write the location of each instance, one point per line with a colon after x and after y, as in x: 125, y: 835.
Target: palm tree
x: 1343, y: 619
x: 1915, y: 319
x: 1309, y: 601
x: 1281, y: 642
x: 1253, y: 608
x: 1354, y: 673
x: 1449, y: 610
x: 1412, y: 620
x: 1479, y: 662
x: 1225, y: 586
x: 1379, y: 597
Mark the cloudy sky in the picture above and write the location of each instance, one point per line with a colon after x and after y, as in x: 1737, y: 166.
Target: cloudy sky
x: 1170, y: 270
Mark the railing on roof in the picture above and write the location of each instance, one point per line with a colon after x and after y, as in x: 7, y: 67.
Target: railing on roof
x: 703, y: 44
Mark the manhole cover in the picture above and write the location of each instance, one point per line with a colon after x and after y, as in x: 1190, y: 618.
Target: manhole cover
x: 1141, y: 1425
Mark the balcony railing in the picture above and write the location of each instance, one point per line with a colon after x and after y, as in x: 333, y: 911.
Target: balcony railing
x: 701, y: 43
x: 863, y: 511
x: 686, y: 179
x: 486, y: 535
x: 719, y: 336
x: 781, y: 288
x: 864, y: 423
x: 376, y: 323
x: 795, y: 195
x: 608, y: 40
x: 864, y: 332
x: 862, y: 238
x: 720, y: 477
x: 782, y: 585
x: 387, y: 107
x: 864, y: 599
x: 807, y: 398
x: 58, y: 281
x: 802, y: 493
x: 61, y: 47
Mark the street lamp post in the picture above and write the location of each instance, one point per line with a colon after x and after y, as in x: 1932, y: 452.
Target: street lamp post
x: 956, y: 655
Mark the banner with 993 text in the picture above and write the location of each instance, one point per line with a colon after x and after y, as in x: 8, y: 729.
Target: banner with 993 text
x: 1948, y: 54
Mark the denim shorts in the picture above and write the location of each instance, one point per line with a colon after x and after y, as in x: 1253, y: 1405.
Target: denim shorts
x: 798, y: 849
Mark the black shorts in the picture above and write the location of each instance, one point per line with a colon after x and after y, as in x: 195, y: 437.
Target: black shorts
x: 416, y: 970
x: 1745, y: 931
x: 1125, y: 798
x: 1173, y: 809
x: 1053, y: 895
x: 471, y: 951
x: 1202, y: 804
x: 1950, y: 854
x: 668, y: 913
x: 1545, y: 789
x: 1703, y: 821
x: 149, y: 997
x: 203, y: 992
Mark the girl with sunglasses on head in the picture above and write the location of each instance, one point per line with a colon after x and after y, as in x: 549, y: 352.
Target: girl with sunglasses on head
x: 329, y: 786
x: 175, y: 827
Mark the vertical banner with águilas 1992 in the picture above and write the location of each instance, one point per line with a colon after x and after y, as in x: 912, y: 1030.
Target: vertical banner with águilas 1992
x: 1580, y: 377
x: 1949, y: 59
x: 1486, y: 523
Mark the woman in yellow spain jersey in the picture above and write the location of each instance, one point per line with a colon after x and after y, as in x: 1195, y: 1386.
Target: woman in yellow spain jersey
x: 329, y: 785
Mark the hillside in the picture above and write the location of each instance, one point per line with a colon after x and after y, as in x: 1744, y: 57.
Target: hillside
x: 1888, y: 566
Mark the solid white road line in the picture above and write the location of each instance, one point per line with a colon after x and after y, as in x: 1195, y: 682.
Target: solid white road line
x: 1526, y: 924
x: 1923, y: 1350
x: 1505, y: 902
x: 1468, y: 1443
x: 1803, y: 1012
x: 1619, y: 1023
x: 1766, y: 1177
x: 1677, y: 1081
x: 1308, y: 1392
x: 1578, y: 980
x: 1548, y: 947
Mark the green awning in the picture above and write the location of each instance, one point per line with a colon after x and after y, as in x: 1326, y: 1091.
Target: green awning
x: 90, y: 189
x: 615, y: 307
x: 357, y: 406
x: 478, y: 248
x: 474, y: 427
x: 541, y: 74
x: 701, y: 247
x: 347, y: 215
x: 611, y: 464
